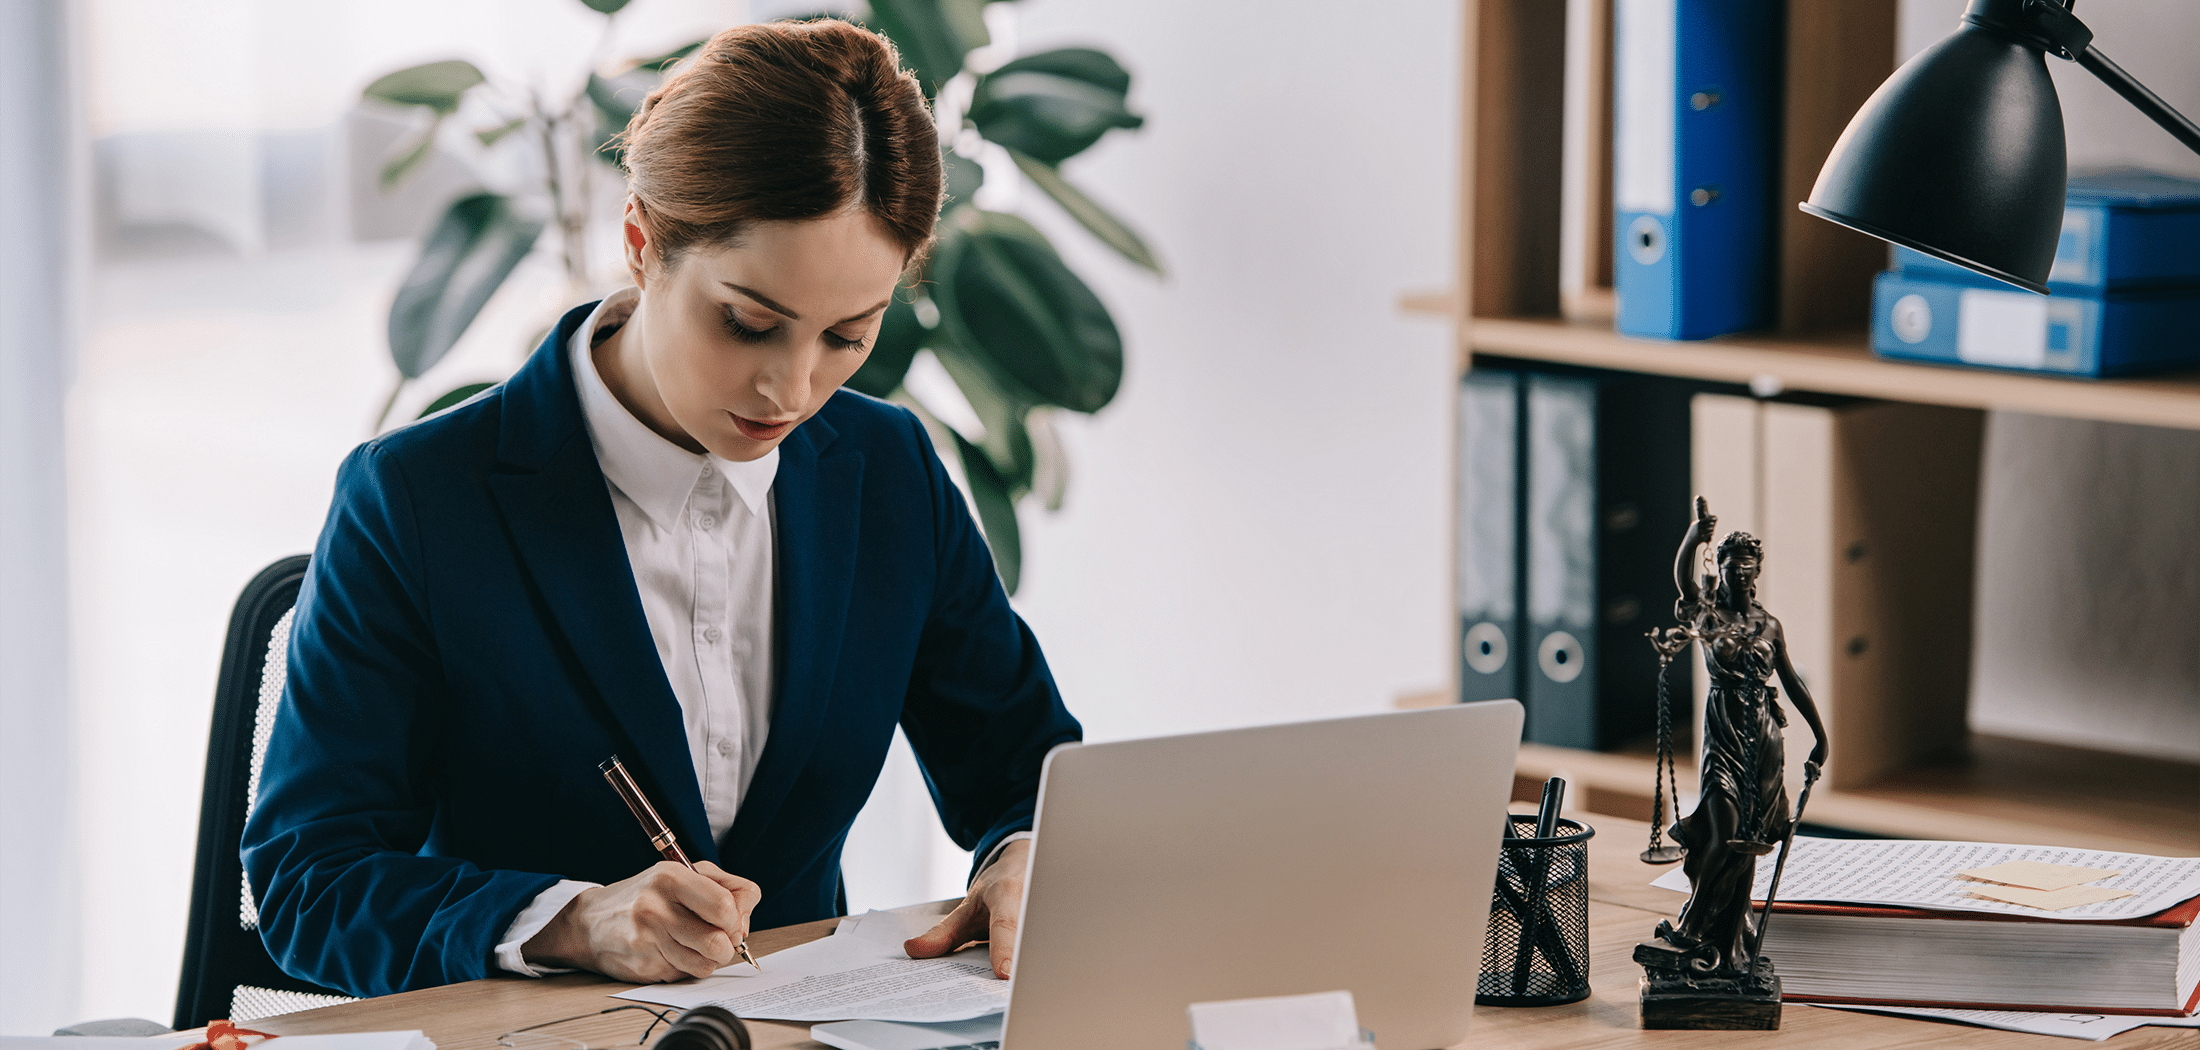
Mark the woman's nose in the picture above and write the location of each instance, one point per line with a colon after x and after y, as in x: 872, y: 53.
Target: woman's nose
x: 785, y: 379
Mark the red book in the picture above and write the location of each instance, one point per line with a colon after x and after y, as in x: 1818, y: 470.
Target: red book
x: 1887, y: 956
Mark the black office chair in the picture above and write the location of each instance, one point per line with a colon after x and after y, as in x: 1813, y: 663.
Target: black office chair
x: 226, y: 970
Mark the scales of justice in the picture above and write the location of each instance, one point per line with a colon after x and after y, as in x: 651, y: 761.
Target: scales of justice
x: 1705, y: 970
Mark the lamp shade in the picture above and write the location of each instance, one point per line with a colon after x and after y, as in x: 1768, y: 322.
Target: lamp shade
x: 1958, y: 155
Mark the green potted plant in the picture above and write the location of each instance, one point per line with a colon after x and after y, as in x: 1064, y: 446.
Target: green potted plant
x: 1019, y: 332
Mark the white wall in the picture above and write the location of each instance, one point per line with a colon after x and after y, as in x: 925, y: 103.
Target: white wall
x: 1255, y: 530
x: 2088, y: 621
x: 39, y: 278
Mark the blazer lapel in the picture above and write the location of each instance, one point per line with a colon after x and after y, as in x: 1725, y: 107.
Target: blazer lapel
x: 557, y: 508
x: 815, y: 534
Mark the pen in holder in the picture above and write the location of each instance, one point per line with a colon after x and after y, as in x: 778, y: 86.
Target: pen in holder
x: 1536, y: 952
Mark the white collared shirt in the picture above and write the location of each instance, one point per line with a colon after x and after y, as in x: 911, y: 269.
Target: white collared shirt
x: 698, y: 533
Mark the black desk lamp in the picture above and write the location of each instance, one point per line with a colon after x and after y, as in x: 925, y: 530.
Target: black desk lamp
x: 1960, y: 153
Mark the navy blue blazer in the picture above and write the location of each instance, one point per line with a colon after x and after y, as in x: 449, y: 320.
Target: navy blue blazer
x: 469, y: 644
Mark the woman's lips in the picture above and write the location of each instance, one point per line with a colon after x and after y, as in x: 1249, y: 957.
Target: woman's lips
x: 758, y: 430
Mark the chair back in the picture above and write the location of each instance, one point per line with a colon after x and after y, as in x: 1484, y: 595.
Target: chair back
x: 227, y: 972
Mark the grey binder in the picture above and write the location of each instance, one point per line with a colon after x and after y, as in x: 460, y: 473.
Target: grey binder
x: 1607, y: 500
x: 1488, y: 562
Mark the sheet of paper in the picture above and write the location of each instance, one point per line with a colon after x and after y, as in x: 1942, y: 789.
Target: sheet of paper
x: 2032, y: 874
x: 2095, y: 1027
x: 97, y: 1042
x: 408, y: 1040
x: 862, y: 974
x: 2049, y: 900
x: 1913, y: 873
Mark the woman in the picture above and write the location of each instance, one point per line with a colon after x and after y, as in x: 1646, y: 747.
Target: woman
x: 1742, y: 810
x: 669, y: 536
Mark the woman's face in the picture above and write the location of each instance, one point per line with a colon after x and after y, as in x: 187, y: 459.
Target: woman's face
x: 739, y: 344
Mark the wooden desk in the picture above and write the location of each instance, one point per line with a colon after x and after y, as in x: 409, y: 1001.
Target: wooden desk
x: 1623, y: 909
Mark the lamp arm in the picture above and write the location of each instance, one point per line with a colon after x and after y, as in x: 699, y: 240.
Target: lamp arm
x: 2140, y: 97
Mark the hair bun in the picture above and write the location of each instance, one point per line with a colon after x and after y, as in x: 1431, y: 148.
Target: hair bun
x: 785, y: 121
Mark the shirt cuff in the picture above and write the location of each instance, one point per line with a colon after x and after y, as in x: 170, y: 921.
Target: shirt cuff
x: 530, y: 922
x: 995, y: 854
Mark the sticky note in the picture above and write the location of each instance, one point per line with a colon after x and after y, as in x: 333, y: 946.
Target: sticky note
x: 2032, y: 874
x: 2049, y: 900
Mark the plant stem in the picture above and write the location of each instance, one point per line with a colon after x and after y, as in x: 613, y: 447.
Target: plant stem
x: 547, y: 126
x: 390, y: 404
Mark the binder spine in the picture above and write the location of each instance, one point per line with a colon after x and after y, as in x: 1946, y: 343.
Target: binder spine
x: 1696, y: 156
x: 1561, y: 546
x: 1607, y: 497
x: 1488, y: 553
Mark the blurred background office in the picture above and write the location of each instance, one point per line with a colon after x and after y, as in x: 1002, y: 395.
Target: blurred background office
x: 196, y: 264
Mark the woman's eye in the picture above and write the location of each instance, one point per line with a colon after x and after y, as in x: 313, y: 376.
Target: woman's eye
x: 840, y: 342
x: 743, y: 332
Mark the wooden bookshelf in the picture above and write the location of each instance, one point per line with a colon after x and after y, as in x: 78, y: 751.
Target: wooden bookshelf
x: 1507, y: 304
x: 1986, y: 789
x: 1838, y: 363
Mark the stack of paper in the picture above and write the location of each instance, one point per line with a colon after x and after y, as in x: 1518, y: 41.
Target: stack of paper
x: 860, y: 973
x: 176, y: 1041
x: 1983, y: 927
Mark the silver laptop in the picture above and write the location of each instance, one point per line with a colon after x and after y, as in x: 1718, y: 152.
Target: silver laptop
x: 1353, y: 853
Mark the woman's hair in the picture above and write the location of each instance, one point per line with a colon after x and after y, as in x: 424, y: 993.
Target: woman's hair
x: 784, y: 121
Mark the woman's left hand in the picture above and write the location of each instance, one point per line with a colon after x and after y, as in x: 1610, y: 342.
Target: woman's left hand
x: 990, y: 913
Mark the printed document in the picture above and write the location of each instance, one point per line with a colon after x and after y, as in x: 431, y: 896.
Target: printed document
x: 2095, y: 1027
x: 1917, y: 873
x: 860, y: 973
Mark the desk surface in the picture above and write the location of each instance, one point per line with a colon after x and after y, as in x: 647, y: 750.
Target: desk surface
x: 1623, y: 909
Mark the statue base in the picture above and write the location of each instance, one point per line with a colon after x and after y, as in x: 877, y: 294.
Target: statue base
x: 1674, y: 996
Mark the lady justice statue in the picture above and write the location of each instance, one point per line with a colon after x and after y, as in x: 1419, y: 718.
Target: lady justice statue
x: 1706, y: 971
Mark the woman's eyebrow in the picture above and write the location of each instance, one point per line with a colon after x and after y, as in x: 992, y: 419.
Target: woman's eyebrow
x: 790, y: 314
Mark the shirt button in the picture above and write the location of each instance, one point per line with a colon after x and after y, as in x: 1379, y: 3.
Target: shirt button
x: 725, y: 748
x: 706, y: 522
x: 710, y: 634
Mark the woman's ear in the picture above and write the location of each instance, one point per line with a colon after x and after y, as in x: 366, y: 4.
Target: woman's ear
x: 634, y: 242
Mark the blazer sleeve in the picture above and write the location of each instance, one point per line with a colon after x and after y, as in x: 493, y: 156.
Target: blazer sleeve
x: 347, y: 795
x: 982, y: 709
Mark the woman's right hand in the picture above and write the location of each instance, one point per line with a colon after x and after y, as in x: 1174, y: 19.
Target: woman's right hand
x: 1706, y: 523
x: 661, y: 925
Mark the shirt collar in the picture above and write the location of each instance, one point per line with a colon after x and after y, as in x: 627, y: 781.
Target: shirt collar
x: 653, y: 472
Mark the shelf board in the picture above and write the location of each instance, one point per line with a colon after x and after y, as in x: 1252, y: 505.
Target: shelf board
x: 1839, y: 363
x: 1996, y: 790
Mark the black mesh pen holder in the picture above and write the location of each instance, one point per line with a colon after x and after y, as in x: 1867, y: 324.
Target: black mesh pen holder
x: 1536, y: 952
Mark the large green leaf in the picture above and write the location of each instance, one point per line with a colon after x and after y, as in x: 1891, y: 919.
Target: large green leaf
x: 1001, y: 406
x: 1097, y: 68
x: 900, y: 336
x: 455, y: 396
x: 1084, y: 209
x: 964, y: 176
x: 996, y: 512
x: 1004, y: 292
x: 472, y: 249
x: 436, y: 85
x: 1046, y: 115
x: 932, y: 35
x: 605, y: 7
x: 402, y: 164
